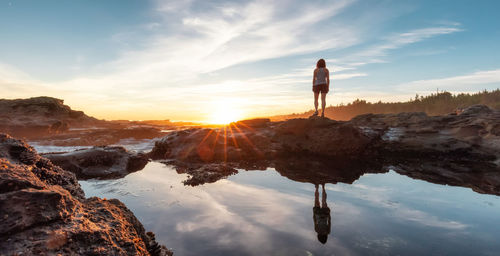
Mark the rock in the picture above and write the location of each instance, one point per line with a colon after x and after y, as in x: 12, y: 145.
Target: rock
x: 99, y: 162
x: 39, y: 116
x: 321, y: 171
x: 236, y: 144
x: 30, y: 207
x: 99, y: 136
x: 321, y: 137
x: 29, y: 168
x: 225, y: 144
x: 462, y: 150
x: 476, y: 109
x: 253, y: 123
x: 43, y: 211
x: 47, y: 121
x: 201, y: 174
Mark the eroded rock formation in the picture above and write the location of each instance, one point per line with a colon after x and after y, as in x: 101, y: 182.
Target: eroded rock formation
x: 48, y: 121
x: 44, y: 211
x: 456, y: 149
x: 39, y: 116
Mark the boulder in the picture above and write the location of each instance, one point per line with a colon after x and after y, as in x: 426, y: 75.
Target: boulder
x: 99, y: 162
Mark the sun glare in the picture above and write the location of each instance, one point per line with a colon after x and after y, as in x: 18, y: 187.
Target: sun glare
x: 225, y: 114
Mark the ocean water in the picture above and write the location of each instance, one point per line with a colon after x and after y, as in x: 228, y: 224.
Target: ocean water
x: 264, y: 213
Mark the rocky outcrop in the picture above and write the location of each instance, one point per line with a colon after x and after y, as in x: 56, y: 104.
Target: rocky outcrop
x: 43, y: 211
x: 99, y: 162
x: 322, y: 137
x: 456, y: 149
x: 240, y: 143
x: 40, y: 116
x: 47, y: 121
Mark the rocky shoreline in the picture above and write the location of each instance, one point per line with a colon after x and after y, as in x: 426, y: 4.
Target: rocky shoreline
x: 456, y: 149
x: 44, y: 212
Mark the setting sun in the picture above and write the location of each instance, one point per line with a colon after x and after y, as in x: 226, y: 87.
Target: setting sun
x: 225, y: 113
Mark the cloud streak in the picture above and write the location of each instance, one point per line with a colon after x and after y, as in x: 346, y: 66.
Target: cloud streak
x: 465, y: 83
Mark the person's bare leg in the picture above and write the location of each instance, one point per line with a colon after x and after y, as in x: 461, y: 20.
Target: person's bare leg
x: 316, y: 196
x: 323, y: 197
x: 323, y: 104
x: 316, y: 96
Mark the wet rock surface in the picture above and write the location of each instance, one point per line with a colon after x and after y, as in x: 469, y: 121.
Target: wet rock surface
x: 99, y: 162
x: 456, y: 149
x: 43, y: 211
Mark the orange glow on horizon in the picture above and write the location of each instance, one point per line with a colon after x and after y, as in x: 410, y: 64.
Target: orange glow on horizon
x: 225, y: 112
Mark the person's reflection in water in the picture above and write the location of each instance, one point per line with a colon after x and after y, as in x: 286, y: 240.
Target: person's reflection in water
x: 321, y: 215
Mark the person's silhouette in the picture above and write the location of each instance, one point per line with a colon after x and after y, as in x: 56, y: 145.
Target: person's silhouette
x: 321, y: 215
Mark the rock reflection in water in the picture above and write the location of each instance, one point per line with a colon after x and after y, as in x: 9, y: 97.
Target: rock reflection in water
x: 266, y: 213
x: 321, y: 172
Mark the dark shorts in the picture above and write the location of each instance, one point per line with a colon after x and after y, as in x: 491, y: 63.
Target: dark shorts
x: 323, y: 88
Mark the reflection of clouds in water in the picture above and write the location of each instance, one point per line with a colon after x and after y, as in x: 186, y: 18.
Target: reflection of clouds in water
x: 228, y: 207
x: 113, y: 187
x: 261, y: 213
x: 426, y: 219
x: 379, y: 246
x: 254, y: 226
x: 383, y: 197
x: 227, y: 214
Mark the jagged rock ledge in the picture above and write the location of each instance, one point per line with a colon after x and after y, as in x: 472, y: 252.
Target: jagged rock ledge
x: 43, y: 211
x: 456, y: 149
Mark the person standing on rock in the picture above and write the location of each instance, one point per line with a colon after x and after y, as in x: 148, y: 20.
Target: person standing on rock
x: 321, y: 84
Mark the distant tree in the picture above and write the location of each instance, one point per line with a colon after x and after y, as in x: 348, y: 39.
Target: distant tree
x: 439, y: 103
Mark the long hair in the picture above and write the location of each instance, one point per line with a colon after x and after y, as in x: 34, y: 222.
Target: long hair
x: 321, y: 63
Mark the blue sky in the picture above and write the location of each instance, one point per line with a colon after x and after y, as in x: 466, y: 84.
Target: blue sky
x: 186, y: 60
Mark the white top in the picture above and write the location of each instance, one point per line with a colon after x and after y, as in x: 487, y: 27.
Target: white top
x: 320, y: 76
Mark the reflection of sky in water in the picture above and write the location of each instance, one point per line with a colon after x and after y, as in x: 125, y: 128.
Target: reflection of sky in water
x: 49, y: 148
x: 132, y: 145
x: 263, y: 213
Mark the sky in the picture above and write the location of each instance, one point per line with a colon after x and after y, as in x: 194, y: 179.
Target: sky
x: 196, y: 60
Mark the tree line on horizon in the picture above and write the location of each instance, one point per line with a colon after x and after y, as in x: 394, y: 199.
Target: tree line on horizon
x: 439, y: 103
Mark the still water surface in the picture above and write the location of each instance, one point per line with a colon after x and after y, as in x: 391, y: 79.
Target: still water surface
x: 264, y: 213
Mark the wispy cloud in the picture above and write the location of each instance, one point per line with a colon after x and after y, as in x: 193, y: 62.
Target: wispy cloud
x: 383, y: 197
x: 377, y: 52
x: 465, y: 83
x: 164, y: 63
x: 190, y: 39
x: 218, y: 37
